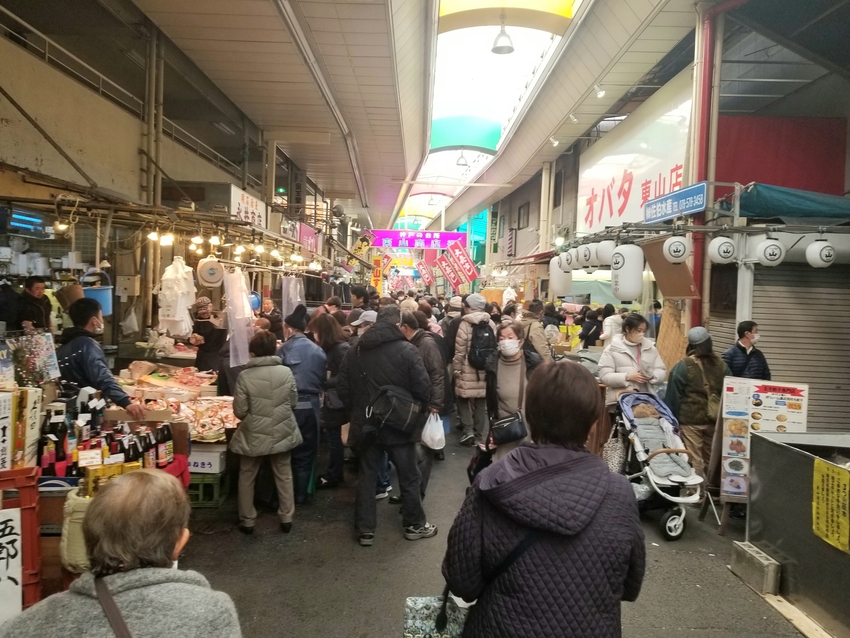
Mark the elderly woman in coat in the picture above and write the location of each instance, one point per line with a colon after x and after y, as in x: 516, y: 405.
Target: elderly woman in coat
x: 631, y: 362
x: 264, y: 397
x: 570, y: 525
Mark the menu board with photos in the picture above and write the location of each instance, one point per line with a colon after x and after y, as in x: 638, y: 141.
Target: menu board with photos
x: 751, y: 405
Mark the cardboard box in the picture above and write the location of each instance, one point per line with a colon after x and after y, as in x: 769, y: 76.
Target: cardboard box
x: 28, y: 427
x: 201, y: 462
x: 99, y: 475
x: 120, y: 414
x: 561, y: 348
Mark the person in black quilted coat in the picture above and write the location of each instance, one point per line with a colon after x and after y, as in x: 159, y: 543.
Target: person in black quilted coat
x: 588, y: 553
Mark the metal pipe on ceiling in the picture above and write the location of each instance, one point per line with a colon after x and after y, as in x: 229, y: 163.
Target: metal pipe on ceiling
x: 286, y: 12
x: 150, y: 111
x: 160, y: 98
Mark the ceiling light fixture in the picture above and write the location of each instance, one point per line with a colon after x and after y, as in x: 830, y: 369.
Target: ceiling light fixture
x: 503, y: 44
x: 600, y: 92
x: 431, y: 202
x: 237, y: 258
x: 239, y: 249
x: 297, y: 257
x: 559, y: 241
x: 275, y: 253
x: 228, y: 239
x: 573, y: 119
x: 60, y: 227
x: 166, y: 240
x: 153, y: 235
x: 554, y: 141
x: 461, y: 161
x: 224, y: 128
x: 215, y: 240
x: 197, y: 239
x: 200, y: 250
x: 259, y: 249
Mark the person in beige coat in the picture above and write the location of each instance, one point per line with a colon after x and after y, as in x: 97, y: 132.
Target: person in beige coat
x: 532, y: 329
x: 470, y: 384
x: 264, y: 397
x: 631, y: 362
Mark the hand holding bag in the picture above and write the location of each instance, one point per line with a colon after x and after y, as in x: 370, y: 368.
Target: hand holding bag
x: 433, y: 435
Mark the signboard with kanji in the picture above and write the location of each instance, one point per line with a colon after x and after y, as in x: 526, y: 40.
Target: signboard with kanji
x: 425, y: 273
x: 442, y: 262
x: 641, y: 159
x: 681, y: 203
x: 360, y: 247
x: 386, y: 260
x: 247, y: 208
x: 463, y: 262
x: 377, y: 274
x: 415, y: 239
x: 11, y: 566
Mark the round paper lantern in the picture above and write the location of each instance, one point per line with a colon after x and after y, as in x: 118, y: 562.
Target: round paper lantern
x: 820, y: 253
x: 721, y: 250
x: 560, y: 282
x: 627, y: 272
x: 585, y: 255
x: 770, y: 252
x: 604, y: 251
x: 594, y: 255
x: 575, y: 255
x: 677, y: 249
x: 566, y: 261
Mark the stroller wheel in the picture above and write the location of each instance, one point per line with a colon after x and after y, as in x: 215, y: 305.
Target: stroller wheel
x: 673, y: 524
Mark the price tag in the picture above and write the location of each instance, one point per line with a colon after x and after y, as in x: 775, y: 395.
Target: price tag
x: 101, y: 404
x: 53, y: 438
x: 89, y: 458
x: 92, y: 404
x: 85, y: 433
x: 57, y: 418
x: 85, y: 417
x: 112, y: 459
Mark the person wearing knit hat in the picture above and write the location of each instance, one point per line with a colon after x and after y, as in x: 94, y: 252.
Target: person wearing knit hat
x: 693, y: 396
x: 308, y: 363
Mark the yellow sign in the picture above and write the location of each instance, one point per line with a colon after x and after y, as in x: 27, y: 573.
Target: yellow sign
x: 376, y: 272
x: 830, y: 515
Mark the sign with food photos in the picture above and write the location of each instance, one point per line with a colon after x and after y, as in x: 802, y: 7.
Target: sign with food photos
x: 750, y: 405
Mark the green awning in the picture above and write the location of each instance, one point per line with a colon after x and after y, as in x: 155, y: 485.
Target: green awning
x: 766, y: 201
x: 465, y: 132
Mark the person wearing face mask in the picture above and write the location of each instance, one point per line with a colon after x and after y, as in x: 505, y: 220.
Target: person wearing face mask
x: 744, y: 359
x: 207, y: 336
x: 631, y: 362
x: 505, y: 370
x: 81, y: 359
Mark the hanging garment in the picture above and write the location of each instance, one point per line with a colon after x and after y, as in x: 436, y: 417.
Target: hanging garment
x: 292, y: 290
x: 240, y: 317
x: 176, y: 295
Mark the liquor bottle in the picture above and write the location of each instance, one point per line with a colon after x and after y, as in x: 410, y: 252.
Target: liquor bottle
x: 97, y: 412
x: 169, y: 442
x: 150, y: 448
x: 61, y: 458
x: 74, y: 468
x: 161, y: 447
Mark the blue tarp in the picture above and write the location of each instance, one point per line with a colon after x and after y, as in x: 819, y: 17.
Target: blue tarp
x: 766, y: 201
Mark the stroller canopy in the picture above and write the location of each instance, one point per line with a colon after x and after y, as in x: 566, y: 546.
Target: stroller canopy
x: 629, y: 400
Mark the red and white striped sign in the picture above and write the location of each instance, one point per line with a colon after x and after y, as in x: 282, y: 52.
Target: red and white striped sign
x: 386, y: 260
x: 425, y: 273
x: 442, y: 262
x: 461, y: 259
x: 411, y: 285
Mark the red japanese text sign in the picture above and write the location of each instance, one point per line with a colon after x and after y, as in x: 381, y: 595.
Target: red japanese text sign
x: 461, y: 259
x: 442, y: 262
x: 411, y: 285
x: 425, y: 273
x: 386, y: 260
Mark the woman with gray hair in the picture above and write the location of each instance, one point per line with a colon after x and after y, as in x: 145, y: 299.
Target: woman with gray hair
x: 134, y: 530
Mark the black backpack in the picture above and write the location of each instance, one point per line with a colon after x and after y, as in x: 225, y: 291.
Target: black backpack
x: 482, y: 344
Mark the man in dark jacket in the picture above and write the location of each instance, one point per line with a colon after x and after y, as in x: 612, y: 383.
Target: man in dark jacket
x: 81, y: 359
x: 34, y: 308
x: 274, y: 318
x: 384, y: 357
x: 744, y: 359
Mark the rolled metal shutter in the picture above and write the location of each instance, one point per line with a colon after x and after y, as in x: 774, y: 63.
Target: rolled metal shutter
x: 723, y: 329
x: 803, y: 315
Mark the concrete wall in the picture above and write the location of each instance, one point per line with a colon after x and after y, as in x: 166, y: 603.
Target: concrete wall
x: 101, y: 137
x: 528, y: 238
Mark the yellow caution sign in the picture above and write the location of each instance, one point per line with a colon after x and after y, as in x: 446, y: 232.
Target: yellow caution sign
x: 830, y: 506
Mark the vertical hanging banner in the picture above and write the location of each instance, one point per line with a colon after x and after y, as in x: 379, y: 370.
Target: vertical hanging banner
x: 465, y: 266
x: 442, y: 262
x: 11, y: 568
x: 377, y: 273
x: 425, y: 273
x: 360, y: 247
x: 411, y: 285
x: 386, y: 260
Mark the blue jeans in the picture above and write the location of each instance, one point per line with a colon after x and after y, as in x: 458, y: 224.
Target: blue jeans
x: 304, y: 456
x: 383, y: 482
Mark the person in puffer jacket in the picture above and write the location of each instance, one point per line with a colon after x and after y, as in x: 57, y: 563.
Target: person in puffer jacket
x: 264, y: 397
x: 576, y: 521
x: 470, y: 384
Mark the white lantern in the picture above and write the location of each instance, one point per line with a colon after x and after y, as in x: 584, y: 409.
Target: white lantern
x: 594, y: 255
x: 604, y: 251
x: 575, y: 256
x: 627, y: 272
x: 566, y: 261
x: 820, y: 253
x: 585, y: 254
x: 560, y: 281
x: 770, y: 252
x: 721, y: 250
x: 677, y: 249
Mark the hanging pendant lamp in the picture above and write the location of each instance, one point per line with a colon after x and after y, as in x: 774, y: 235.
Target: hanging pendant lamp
x: 503, y: 44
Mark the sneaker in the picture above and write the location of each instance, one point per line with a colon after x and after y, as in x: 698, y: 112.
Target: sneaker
x: 367, y: 540
x: 467, y: 439
x: 395, y: 500
x: 382, y: 495
x: 414, y: 533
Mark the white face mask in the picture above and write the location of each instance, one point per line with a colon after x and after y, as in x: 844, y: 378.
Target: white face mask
x: 98, y: 329
x: 755, y: 339
x: 509, y: 347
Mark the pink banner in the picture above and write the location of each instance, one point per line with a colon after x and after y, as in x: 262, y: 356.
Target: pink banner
x: 307, y: 237
x: 425, y: 273
x: 442, y: 262
x: 465, y: 266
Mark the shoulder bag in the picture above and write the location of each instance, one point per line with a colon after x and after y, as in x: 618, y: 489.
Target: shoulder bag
x: 391, y: 405
x: 438, y: 618
x: 511, y: 428
x: 113, y: 614
x: 713, y: 408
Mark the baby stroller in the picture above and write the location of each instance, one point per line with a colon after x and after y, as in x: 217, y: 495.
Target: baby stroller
x: 657, y: 461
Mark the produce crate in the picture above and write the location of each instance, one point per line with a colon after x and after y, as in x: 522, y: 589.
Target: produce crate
x: 20, y: 489
x: 207, y: 490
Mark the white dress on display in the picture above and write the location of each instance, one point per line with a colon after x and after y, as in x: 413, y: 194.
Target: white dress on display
x: 176, y: 294
x: 508, y: 296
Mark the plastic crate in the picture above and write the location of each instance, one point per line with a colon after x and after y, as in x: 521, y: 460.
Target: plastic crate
x: 24, y: 481
x: 207, y: 490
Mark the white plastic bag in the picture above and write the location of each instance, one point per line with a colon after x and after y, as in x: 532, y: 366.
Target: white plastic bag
x: 433, y: 435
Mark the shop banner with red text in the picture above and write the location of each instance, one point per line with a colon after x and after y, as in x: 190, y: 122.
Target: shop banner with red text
x: 442, y: 262
x: 461, y: 259
x: 425, y: 273
x: 386, y: 261
x: 377, y: 276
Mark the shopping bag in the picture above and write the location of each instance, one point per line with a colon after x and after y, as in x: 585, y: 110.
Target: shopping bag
x: 422, y: 617
x: 614, y: 451
x: 433, y: 435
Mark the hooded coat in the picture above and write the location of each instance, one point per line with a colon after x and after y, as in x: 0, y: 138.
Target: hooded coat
x: 264, y: 398
x: 154, y: 602
x: 435, y: 364
x: 588, y: 557
x: 532, y: 332
x: 82, y: 363
x: 621, y: 358
x: 470, y: 383
x: 382, y: 357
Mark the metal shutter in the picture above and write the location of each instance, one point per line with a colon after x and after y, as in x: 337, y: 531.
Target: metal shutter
x: 804, y: 315
x: 723, y: 329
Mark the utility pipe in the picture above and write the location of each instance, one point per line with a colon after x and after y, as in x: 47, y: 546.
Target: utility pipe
x: 160, y: 91
x: 545, y: 188
x: 150, y: 114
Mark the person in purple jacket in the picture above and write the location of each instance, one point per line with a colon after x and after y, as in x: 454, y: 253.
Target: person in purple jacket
x: 575, y: 523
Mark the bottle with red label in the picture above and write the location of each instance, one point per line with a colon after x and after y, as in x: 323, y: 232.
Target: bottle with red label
x: 161, y: 447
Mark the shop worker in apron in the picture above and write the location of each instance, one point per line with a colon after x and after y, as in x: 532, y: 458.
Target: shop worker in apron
x: 81, y: 359
x: 207, y: 336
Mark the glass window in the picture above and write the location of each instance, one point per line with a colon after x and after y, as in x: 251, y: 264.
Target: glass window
x: 522, y: 216
x: 559, y: 189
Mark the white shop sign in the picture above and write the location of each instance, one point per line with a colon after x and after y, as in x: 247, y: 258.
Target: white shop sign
x: 640, y: 159
x: 247, y: 208
x: 11, y: 570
